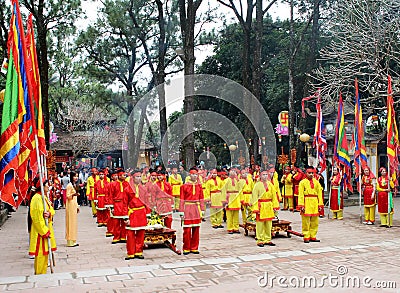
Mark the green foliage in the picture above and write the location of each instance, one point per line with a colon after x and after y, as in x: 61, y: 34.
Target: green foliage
x: 227, y: 62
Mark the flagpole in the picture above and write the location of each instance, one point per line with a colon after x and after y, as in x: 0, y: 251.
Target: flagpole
x: 44, y: 200
x: 389, y: 196
x: 359, y: 190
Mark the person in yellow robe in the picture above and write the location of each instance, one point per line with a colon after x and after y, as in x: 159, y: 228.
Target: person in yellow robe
x: 213, y: 192
x: 287, y: 189
x: 273, y: 175
x: 91, y: 181
x: 264, y: 203
x: 176, y: 181
x: 310, y: 204
x: 245, y: 196
x: 39, y: 231
x: 231, y: 194
x: 71, y: 211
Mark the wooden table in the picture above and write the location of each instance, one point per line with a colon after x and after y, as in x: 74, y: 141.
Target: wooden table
x: 165, y: 236
x: 277, y: 227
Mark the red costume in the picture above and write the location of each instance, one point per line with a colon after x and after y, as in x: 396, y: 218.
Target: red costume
x: 383, y: 185
x: 165, y: 202
x: 137, y: 222
x: 368, y: 189
x: 109, y: 204
x: 335, y: 189
x: 296, y: 178
x: 101, y: 190
x: 119, y: 191
x: 191, y: 205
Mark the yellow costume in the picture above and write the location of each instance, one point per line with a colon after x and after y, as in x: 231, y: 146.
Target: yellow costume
x: 264, y: 204
x: 71, y: 211
x: 245, y: 197
x: 90, y: 192
x: 231, y: 193
x: 39, y: 245
x: 176, y: 181
x: 287, y: 191
x: 310, y: 201
x: 213, y: 192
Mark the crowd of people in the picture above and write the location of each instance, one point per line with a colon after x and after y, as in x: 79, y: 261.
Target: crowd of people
x: 124, y: 201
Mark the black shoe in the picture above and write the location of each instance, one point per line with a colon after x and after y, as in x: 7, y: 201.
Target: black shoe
x: 109, y: 235
x: 236, y: 232
x: 203, y: 220
x: 122, y: 241
x: 388, y: 226
x: 383, y: 226
x: 94, y: 216
x: 306, y: 241
x: 129, y: 257
x: 185, y: 252
x: 270, y: 244
x: 315, y: 240
x: 116, y: 242
x: 139, y: 256
x: 195, y: 252
x: 221, y: 226
x: 260, y: 245
x: 230, y: 232
x: 215, y: 227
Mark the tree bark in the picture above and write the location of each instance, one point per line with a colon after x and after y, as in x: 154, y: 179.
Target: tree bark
x: 187, y: 13
x: 42, y: 52
x: 160, y: 79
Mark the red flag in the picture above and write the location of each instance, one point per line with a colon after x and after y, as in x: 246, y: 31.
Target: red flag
x: 37, y: 94
x: 360, y: 153
x: 319, y: 136
x: 392, y: 132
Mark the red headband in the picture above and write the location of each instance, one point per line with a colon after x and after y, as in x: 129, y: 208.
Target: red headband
x: 193, y: 172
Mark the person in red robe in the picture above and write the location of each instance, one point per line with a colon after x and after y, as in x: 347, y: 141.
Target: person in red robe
x: 297, y: 176
x: 368, y: 181
x: 164, y: 200
x: 191, y: 209
x: 383, y: 187
x: 101, y: 190
x: 109, y: 204
x: 119, y: 192
x: 137, y: 221
x: 336, y: 195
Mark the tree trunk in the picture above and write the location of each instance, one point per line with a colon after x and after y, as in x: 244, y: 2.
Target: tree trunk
x: 42, y: 52
x: 187, y: 12
x: 257, y: 72
x: 246, y: 76
x: 160, y: 79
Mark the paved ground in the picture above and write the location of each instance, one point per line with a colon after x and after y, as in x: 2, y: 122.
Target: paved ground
x: 348, y: 253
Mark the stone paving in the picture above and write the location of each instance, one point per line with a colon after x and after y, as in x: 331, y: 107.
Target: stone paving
x: 349, y: 252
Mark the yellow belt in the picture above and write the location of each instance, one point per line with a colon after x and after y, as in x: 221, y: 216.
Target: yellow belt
x: 101, y: 195
x: 131, y: 210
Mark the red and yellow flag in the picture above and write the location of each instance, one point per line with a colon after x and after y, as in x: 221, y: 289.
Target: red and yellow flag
x: 392, y: 132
